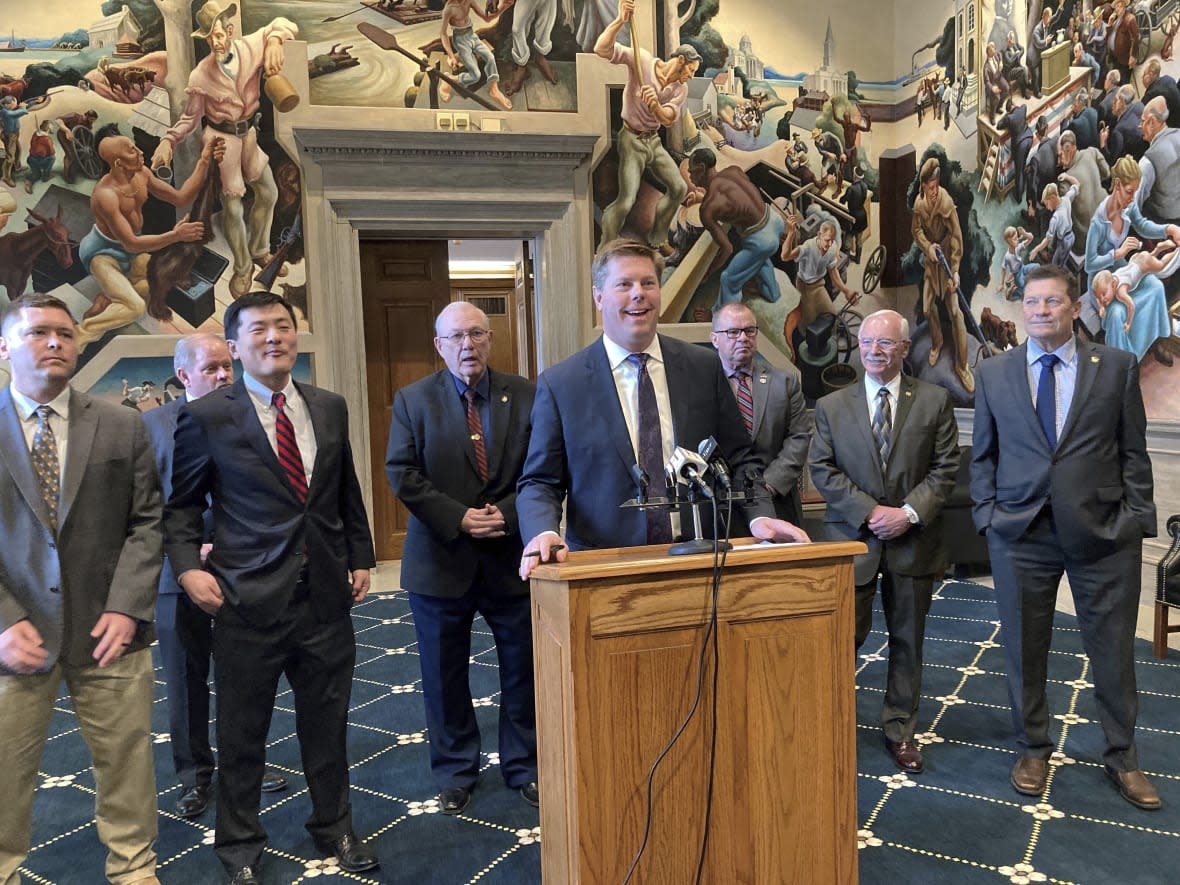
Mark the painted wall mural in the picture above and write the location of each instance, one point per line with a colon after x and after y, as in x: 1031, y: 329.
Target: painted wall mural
x: 817, y: 167
x: 141, y: 180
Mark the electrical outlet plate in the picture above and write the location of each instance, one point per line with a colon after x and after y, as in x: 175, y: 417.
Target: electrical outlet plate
x: 444, y: 120
x: 462, y: 121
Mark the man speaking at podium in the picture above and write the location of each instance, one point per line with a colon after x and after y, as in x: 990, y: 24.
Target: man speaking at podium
x: 628, y: 399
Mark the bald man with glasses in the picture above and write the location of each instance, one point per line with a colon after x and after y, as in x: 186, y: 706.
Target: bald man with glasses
x: 885, y: 456
x: 771, y: 404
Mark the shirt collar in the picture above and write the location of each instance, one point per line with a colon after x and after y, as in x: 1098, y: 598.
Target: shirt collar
x: 483, y: 386
x: 894, y: 387
x: 1067, y: 352
x: 616, y: 353
x: 264, y: 394
x: 60, y: 403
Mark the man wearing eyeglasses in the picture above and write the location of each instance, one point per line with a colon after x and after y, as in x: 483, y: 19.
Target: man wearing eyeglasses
x: 457, y: 444
x: 884, y: 456
x: 771, y: 405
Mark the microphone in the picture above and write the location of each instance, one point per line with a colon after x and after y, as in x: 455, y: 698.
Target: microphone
x: 691, y: 468
x: 710, y: 451
x: 642, y: 481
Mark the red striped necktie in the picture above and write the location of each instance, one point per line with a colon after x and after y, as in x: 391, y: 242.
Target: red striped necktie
x: 288, y: 449
x: 475, y: 430
x: 745, y: 401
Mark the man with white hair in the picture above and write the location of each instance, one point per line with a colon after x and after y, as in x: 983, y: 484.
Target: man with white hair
x: 887, y: 487
x: 1123, y: 136
x: 1089, y: 169
x: 1159, y: 190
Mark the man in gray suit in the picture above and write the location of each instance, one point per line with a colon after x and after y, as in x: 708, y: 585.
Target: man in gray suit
x: 202, y: 364
x: 884, y: 457
x: 80, y: 506
x: 771, y: 405
x: 1062, y: 484
x: 456, y: 446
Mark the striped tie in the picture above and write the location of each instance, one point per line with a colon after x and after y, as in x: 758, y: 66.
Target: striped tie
x: 288, y: 449
x: 45, y: 463
x: 883, y: 424
x: 745, y: 402
x: 475, y: 428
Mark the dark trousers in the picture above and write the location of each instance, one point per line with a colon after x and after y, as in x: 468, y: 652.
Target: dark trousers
x: 1106, y: 596
x: 443, y: 627
x: 906, y: 601
x: 317, y: 659
x: 186, y: 642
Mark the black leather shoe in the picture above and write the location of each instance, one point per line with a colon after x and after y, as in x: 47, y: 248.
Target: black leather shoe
x: 454, y: 800
x: 531, y: 794
x: 353, y: 855
x: 906, y: 755
x: 193, y: 801
x: 245, y: 876
x: 273, y: 782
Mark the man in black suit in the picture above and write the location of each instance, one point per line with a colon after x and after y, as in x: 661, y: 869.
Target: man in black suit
x: 771, y: 405
x: 202, y: 364
x: 1020, y: 137
x: 292, y: 555
x: 628, y: 399
x: 456, y: 446
x: 1158, y: 84
x: 1124, y: 136
x: 1061, y: 482
x: 1083, y: 121
x: 884, y: 457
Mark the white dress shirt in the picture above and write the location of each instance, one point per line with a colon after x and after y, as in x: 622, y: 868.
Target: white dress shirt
x: 296, y: 409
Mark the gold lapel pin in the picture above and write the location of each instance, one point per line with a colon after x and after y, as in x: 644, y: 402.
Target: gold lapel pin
x: 761, y: 379
x: 504, y: 398
x: 909, y: 393
x: 1095, y: 359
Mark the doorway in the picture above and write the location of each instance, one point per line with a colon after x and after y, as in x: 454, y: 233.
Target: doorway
x: 404, y: 285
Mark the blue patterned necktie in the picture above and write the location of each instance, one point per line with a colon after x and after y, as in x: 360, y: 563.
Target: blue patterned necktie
x: 651, y: 446
x: 45, y: 463
x: 883, y: 424
x: 1047, y: 398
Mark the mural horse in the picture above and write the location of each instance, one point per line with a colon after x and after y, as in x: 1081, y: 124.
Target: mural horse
x: 19, y: 251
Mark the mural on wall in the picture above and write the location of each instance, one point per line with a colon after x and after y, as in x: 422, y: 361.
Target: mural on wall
x: 458, y: 54
x: 818, y: 196
x: 141, y: 182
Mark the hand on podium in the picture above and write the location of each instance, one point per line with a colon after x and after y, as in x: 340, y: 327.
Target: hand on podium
x: 545, y: 547
x: 766, y: 528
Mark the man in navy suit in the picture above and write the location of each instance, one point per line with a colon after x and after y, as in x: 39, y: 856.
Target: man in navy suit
x: 602, y: 411
x: 1061, y: 482
x: 292, y: 555
x: 456, y: 446
x: 202, y: 364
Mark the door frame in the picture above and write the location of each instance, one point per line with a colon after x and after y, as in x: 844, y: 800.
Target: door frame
x: 410, y: 185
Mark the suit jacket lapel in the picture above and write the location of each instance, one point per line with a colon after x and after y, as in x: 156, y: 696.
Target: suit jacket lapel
x: 14, y: 455
x: 602, y: 404
x: 320, y: 423
x: 83, y: 427
x: 454, y: 411
x: 246, y: 418
x: 500, y: 409
x: 1089, y: 362
x: 904, y: 402
x: 760, y: 392
x: 859, y: 405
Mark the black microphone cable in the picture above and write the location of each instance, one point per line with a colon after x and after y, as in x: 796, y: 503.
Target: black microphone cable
x: 719, y: 556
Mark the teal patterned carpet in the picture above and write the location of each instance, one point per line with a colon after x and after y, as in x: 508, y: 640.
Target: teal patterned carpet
x: 958, y: 822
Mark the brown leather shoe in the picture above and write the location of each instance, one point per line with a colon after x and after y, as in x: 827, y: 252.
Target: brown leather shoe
x: 1030, y: 775
x: 1135, y: 788
x: 906, y: 754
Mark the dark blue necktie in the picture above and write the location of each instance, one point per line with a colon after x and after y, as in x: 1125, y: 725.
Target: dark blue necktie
x: 651, y: 446
x: 1047, y: 398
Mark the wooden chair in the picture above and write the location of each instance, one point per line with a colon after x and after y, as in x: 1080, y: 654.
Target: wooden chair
x: 1167, y: 592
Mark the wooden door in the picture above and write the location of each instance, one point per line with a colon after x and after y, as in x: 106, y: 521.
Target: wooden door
x: 404, y: 286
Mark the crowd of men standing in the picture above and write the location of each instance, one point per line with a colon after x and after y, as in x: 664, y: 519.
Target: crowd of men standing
x: 268, y: 545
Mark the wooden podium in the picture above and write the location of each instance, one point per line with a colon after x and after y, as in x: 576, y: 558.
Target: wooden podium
x: 616, y: 638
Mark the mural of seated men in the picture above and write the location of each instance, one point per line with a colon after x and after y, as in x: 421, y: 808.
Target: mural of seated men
x: 116, y: 252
